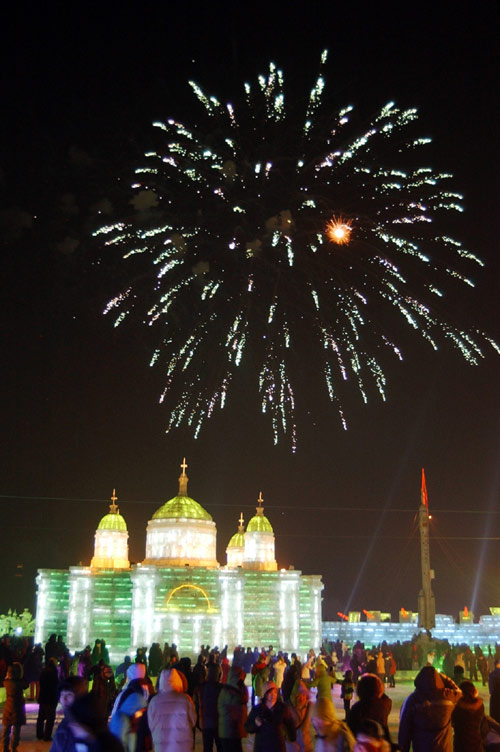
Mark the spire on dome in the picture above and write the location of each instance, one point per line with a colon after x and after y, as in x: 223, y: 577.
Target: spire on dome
x: 241, y: 528
x: 113, y: 507
x: 183, y: 479
x: 260, y: 507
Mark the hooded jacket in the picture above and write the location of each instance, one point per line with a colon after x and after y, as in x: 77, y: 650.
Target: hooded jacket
x: 171, y: 715
x: 425, y: 716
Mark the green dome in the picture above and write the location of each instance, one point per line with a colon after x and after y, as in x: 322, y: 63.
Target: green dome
x: 181, y: 506
x: 237, y: 541
x: 259, y: 524
x: 112, y: 521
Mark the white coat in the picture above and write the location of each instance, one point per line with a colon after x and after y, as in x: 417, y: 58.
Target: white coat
x: 171, y: 715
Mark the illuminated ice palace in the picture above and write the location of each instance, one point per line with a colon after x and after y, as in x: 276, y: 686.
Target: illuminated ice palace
x: 180, y: 593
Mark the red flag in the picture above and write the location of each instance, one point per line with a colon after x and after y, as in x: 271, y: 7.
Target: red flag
x: 424, y: 491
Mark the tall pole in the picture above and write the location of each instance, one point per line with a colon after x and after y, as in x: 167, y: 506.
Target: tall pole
x: 426, y: 602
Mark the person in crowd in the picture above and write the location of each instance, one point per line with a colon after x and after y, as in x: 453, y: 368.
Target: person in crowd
x: 494, y: 688
x: 331, y: 734
x: 225, y: 666
x: 279, y: 667
x: 199, y: 671
x: 232, y: 710
x: 371, y: 738
x: 128, y: 720
x: 206, y: 697
x: 14, y: 715
x: 51, y: 648
x: 103, y: 686
x: 96, y: 654
x: 372, y: 704
x: 85, y: 663
x: 69, y: 690
x: 171, y: 714
x: 425, y: 719
x: 32, y: 669
x: 347, y: 691
x: 324, y: 683
x: 380, y: 663
x: 49, y: 682
x: 89, y: 726
x: 155, y: 659
x: 466, y: 720
x: 184, y: 666
x: 490, y: 734
x: 292, y: 675
x: 121, y: 671
x: 482, y: 665
x: 301, y: 704
x: 270, y: 720
x: 390, y: 669
x: 260, y: 676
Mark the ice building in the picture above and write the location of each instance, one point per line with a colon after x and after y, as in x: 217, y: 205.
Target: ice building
x: 180, y: 593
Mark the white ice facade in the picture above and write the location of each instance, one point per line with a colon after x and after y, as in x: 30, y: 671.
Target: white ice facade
x: 180, y: 593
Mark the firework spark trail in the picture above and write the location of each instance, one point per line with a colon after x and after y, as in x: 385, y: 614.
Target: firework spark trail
x: 262, y: 232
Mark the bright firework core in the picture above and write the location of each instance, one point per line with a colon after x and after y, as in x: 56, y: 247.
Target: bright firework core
x: 339, y: 231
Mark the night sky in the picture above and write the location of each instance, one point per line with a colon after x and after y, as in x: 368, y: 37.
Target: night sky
x: 82, y: 84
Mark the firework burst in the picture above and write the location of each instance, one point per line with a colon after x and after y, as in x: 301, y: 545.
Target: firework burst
x: 261, y: 232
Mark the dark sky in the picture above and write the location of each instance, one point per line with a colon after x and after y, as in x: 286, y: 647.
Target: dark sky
x: 81, y: 86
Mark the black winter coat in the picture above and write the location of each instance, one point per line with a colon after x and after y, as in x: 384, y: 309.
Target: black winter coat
x: 270, y: 736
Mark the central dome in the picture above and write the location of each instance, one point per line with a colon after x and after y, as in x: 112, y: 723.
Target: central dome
x: 181, y: 506
x: 181, y: 532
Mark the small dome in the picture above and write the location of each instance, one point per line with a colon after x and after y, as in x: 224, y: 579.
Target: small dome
x: 259, y: 524
x: 112, y: 521
x: 181, y: 506
x: 237, y: 541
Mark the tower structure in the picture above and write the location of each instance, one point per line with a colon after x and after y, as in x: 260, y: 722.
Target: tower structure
x: 111, y: 540
x: 181, y: 532
x: 259, y: 541
x: 235, y: 550
x: 426, y: 602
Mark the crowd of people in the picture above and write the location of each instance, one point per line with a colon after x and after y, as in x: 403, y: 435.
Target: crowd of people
x: 159, y: 700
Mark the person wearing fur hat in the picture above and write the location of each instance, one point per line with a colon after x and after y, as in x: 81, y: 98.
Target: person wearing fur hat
x: 14, y: 715
x: 425, y: 719
x: 270, y: 720
x: 171, y: 714
x: 466, y: 720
